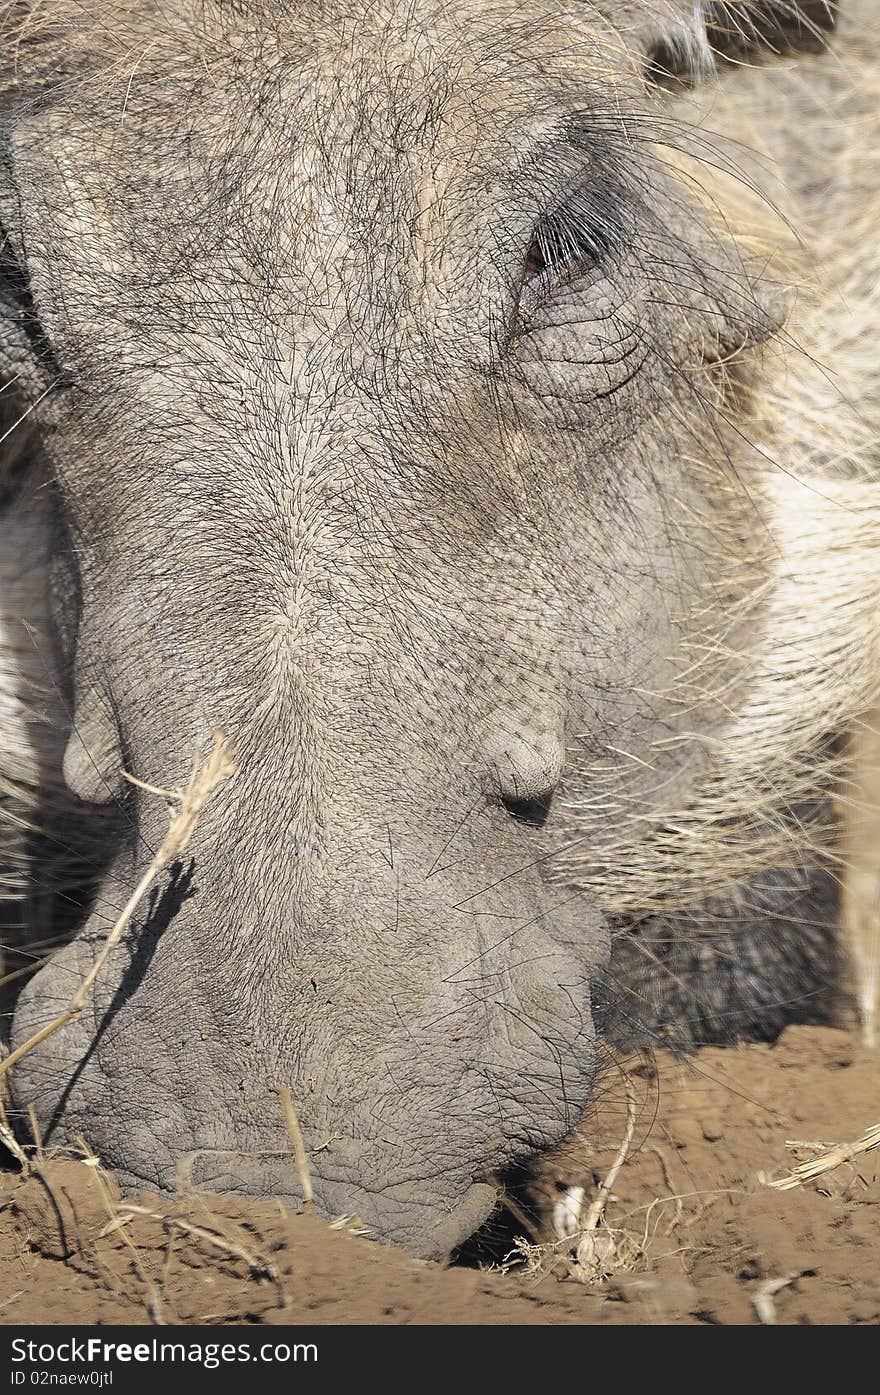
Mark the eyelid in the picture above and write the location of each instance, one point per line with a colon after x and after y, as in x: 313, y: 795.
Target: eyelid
x: 558, y: 270
x: 535, y: 294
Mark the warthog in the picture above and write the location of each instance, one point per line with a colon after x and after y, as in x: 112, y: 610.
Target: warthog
x: 466, y: 409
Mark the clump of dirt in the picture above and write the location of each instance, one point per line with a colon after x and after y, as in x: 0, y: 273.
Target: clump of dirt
x: 701, y: 1230
x: 691, y: 1233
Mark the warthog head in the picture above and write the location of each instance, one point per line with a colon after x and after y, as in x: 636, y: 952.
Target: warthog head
x: 391, y: 365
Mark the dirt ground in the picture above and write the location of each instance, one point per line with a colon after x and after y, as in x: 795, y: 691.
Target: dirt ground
x: 691, y: 1233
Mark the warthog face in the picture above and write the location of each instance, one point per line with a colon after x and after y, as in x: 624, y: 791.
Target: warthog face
x: 376, y: 356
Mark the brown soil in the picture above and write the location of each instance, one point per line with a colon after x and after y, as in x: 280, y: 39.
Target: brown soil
x: 692, y: 1234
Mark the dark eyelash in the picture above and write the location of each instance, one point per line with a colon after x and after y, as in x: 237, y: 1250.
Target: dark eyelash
x: 554, y: 250
x: 568, y: 243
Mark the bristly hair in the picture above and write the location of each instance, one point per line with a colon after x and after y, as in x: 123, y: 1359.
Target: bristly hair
x: 792, y: 654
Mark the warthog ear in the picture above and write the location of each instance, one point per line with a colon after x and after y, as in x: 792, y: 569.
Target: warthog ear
x: 27, y: 363
x: 685, y: 43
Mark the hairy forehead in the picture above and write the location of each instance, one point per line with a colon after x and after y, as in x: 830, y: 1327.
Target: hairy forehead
x: 387, y: 73
x: 83, y: 26
x: 319, y: 147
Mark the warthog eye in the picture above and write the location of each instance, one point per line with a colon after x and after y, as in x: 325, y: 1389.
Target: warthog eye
x: 535, y: 265
x: 565, y: 246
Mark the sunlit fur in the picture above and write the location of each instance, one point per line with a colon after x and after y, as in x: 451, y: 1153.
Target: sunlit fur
x: 703, y: 784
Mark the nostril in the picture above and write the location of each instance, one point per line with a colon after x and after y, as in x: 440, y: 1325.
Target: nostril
x: 529, y: 811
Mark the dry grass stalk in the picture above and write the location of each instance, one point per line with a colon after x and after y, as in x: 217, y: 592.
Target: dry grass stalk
x: 116, y: 1223
x: 600, y: 1250
x: 31, y: 968
x: 185, y: 806
x: 827, y: 1162
x: 860, y: 854
x: 588, y: 1248
x: 258, y: 1266
x: 299, y: 1151
x: 35, y: 1133
x: 9, y: 1140
x: 597, y: 1208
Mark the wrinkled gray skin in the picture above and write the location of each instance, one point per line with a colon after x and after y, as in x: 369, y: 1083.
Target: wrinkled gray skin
x: 337, y: 476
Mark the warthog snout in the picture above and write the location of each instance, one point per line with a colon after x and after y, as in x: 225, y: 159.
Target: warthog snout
x: 432, y: 1029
